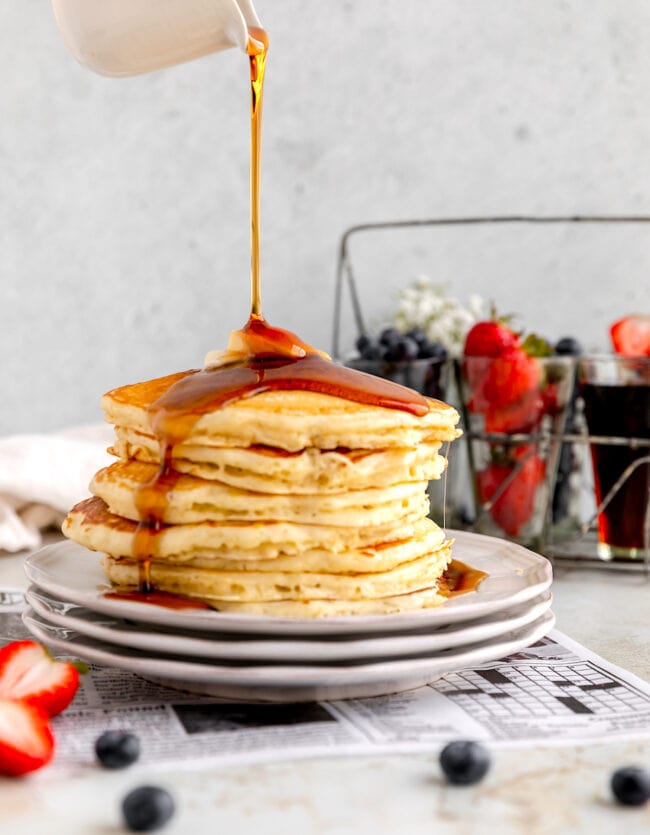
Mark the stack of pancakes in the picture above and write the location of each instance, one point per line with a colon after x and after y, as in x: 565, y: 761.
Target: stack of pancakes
x: 288, y: 503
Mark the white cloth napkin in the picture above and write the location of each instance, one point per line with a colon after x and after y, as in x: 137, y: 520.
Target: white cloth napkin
x: 42, y: 476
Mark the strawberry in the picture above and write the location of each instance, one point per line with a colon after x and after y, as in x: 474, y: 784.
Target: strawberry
x: 30, y: 674
x: 489, y: 339
x: 551, y: 398
x: 514, y: 506
x: 508, y: 378
x: 524, y: 415
x: 631, y: 336
x: 26, y: 740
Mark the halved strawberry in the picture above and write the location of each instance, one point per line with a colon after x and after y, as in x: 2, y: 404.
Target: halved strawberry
x: 29, y: 673
x: 26, y: 740
x: 631, y: 336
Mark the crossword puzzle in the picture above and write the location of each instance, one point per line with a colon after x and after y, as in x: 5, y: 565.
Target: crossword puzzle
x: 538, y: 688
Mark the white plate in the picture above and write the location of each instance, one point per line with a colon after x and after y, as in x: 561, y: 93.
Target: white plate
x: 285, y: 683
x: 233, y: 647
x: 72, y: 573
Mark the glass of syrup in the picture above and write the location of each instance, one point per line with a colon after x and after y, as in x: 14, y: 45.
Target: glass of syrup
x: 616, y: 395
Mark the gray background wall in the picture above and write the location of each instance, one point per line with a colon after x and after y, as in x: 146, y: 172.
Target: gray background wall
x: 124, y: 203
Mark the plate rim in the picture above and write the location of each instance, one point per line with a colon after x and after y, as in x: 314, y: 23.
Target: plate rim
x: 464, y: 608
x: 253, y: 675
x: 345, y: 648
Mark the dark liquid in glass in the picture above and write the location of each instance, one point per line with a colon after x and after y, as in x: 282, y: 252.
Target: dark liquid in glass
x: 620, y: 411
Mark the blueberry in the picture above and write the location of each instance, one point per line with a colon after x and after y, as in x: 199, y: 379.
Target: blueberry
x: 147, y: 808
x: 433, y: 351
x: 389, y: 336
x: 568, y: 347
x: 367, y: 347
x: 117, y: 749
x: 391, y: 353
x: 464, y: 762
x: 363, y: 342
x: 372, y: 352
x: 418, y: 334
x: 384, y: 351
x: 631, y: 785
x: 404, y: 350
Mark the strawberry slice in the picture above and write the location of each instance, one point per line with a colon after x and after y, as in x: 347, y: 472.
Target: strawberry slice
x: 26, y: 740
x: 29, y: 673
x: 631, y: 336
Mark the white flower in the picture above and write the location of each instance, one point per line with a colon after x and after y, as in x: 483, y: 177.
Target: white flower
x: 443, y: 318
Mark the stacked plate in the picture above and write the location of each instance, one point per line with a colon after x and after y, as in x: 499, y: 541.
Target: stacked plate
x: 252, y: 658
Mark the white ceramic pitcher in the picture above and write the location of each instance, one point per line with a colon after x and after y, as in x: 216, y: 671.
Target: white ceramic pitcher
x: 130, y: 37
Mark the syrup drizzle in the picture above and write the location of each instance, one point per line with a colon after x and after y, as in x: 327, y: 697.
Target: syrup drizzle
x: 151, y: 501
x: 170, y: 429
x: 158, y: 598
x: 459, y: 578
x: 272, y: 359
x: 173, y: 415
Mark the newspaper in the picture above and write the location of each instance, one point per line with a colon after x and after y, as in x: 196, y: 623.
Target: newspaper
x: 554, y: 692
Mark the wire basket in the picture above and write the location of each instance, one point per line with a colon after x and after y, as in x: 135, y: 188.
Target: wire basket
x: 573, y: 543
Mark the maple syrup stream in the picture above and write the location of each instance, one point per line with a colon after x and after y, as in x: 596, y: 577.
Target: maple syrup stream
x: 258, y: 45
x: 151, y: 498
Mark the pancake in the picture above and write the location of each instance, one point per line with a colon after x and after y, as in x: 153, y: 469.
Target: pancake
x: 251, y: 586
x: 286, y: 503
x: 191, y: 500
x: 411, y: 601
x: 290, y: 420
x: 90, y: 523
x: 210, y: 545
x: 271, y: 470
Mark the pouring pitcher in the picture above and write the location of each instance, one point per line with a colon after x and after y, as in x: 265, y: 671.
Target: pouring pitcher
x: 131, y: 37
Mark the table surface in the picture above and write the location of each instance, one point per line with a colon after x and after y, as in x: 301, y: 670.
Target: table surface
x: 532, y: 790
